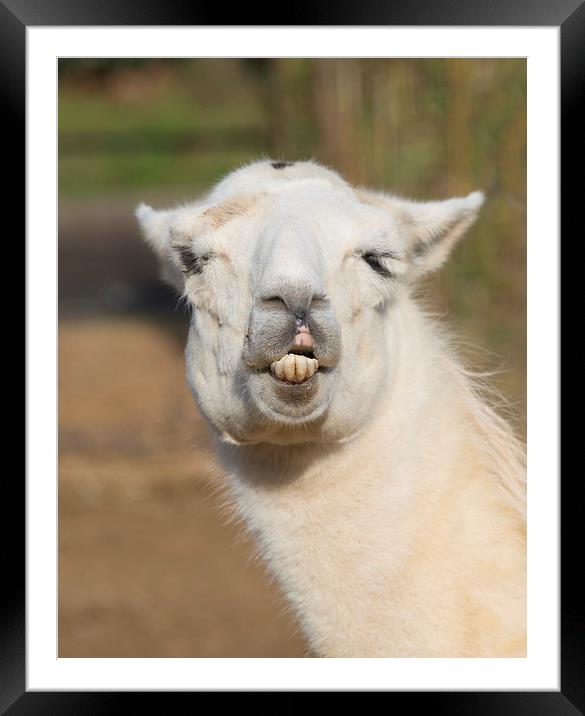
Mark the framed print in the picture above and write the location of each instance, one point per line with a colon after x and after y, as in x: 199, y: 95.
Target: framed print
x: 137, y: 577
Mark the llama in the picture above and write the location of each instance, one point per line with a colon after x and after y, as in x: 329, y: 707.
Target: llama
x: 385, y: 494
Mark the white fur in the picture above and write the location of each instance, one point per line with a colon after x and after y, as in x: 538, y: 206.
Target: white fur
x: 390, y: 508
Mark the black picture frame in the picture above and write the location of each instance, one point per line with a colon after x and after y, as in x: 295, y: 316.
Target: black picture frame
x: 15, y: 17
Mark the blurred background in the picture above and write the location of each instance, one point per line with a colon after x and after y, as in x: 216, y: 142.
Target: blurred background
x: 148, y: 564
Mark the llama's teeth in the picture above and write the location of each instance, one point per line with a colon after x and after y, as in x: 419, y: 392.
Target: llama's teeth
x: 294, y: 368
x: 300, y: 368
x: 280, y: 369
x: 289, y: 367
x: 277, y: 369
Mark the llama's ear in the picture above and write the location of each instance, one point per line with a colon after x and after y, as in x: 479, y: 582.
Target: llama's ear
x: 432, y: 228
x: 172, y: 234
x: 436, y: 226
x: 156, y: 229
x: 155, y: 226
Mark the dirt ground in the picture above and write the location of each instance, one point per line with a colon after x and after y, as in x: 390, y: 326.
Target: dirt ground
x: 149, y: 563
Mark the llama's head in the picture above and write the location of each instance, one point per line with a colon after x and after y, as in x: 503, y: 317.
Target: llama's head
x: 292, y: 277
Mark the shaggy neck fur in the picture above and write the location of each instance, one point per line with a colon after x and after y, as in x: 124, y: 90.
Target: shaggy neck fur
x: 408, y: 540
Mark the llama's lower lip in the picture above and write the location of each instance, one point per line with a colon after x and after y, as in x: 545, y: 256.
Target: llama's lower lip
x: 298, y: 391
x: 291, y: 403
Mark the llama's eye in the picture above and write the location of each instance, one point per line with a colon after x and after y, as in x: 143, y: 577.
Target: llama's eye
x: 378, y: 262
x: 192, y: 263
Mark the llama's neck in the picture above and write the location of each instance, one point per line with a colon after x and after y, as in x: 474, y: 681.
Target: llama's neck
x: 340, y: 526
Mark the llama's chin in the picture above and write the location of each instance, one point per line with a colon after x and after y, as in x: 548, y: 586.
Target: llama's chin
x: 291, y: 403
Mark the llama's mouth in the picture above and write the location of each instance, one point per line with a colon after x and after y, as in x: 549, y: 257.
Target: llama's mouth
x: 296, y: 367
x: 299, y: 365
x: 297, y: 387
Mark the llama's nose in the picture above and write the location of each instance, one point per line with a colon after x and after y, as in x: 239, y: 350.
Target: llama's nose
x: 292, y: 270
x: 296, y: 294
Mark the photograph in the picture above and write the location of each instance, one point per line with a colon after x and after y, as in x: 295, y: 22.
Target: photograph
x: 292, y: 341
x: 293, y: 320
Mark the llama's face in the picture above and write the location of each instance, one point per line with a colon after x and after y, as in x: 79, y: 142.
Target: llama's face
x: 293, y: 278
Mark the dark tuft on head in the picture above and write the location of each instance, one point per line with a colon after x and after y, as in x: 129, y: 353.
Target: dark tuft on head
x: 281, y: 165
